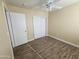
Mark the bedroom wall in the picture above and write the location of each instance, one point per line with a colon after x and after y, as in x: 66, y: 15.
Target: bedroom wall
x: 29, y: 17
x: 5, y: 44
x: 64, y: 24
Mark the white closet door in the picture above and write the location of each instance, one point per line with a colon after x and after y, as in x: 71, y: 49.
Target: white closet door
x: 18, y: 28
x: 39, y: 26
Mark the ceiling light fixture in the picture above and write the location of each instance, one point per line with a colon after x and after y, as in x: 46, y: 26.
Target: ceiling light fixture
x: 51, y: 5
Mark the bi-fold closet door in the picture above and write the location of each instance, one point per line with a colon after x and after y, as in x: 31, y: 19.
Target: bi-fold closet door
x: 17, y: 27
x: 39, y: 25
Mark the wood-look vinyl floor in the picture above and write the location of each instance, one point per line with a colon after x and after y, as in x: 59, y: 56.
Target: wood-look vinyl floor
x: 46, y: 48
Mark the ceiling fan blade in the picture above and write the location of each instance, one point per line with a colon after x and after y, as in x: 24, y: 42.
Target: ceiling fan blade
x: 53, y: 1
x: 55, y: 6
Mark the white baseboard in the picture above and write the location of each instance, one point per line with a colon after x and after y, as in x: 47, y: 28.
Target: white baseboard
x: 30, y: 40
x: 75, y: 45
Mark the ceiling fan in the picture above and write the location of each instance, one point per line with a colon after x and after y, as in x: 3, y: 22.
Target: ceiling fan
x: 51, y: 5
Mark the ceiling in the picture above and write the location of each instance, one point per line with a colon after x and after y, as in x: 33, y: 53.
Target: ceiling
x: 26, y: 3
x: 42, y: 4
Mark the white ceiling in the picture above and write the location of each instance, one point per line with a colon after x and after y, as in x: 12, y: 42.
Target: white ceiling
x: 64, y: 3
x: 41, y: 4
x: 26, y: 3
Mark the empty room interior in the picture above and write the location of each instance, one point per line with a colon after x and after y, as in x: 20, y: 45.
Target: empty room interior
x: 39, y: 29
